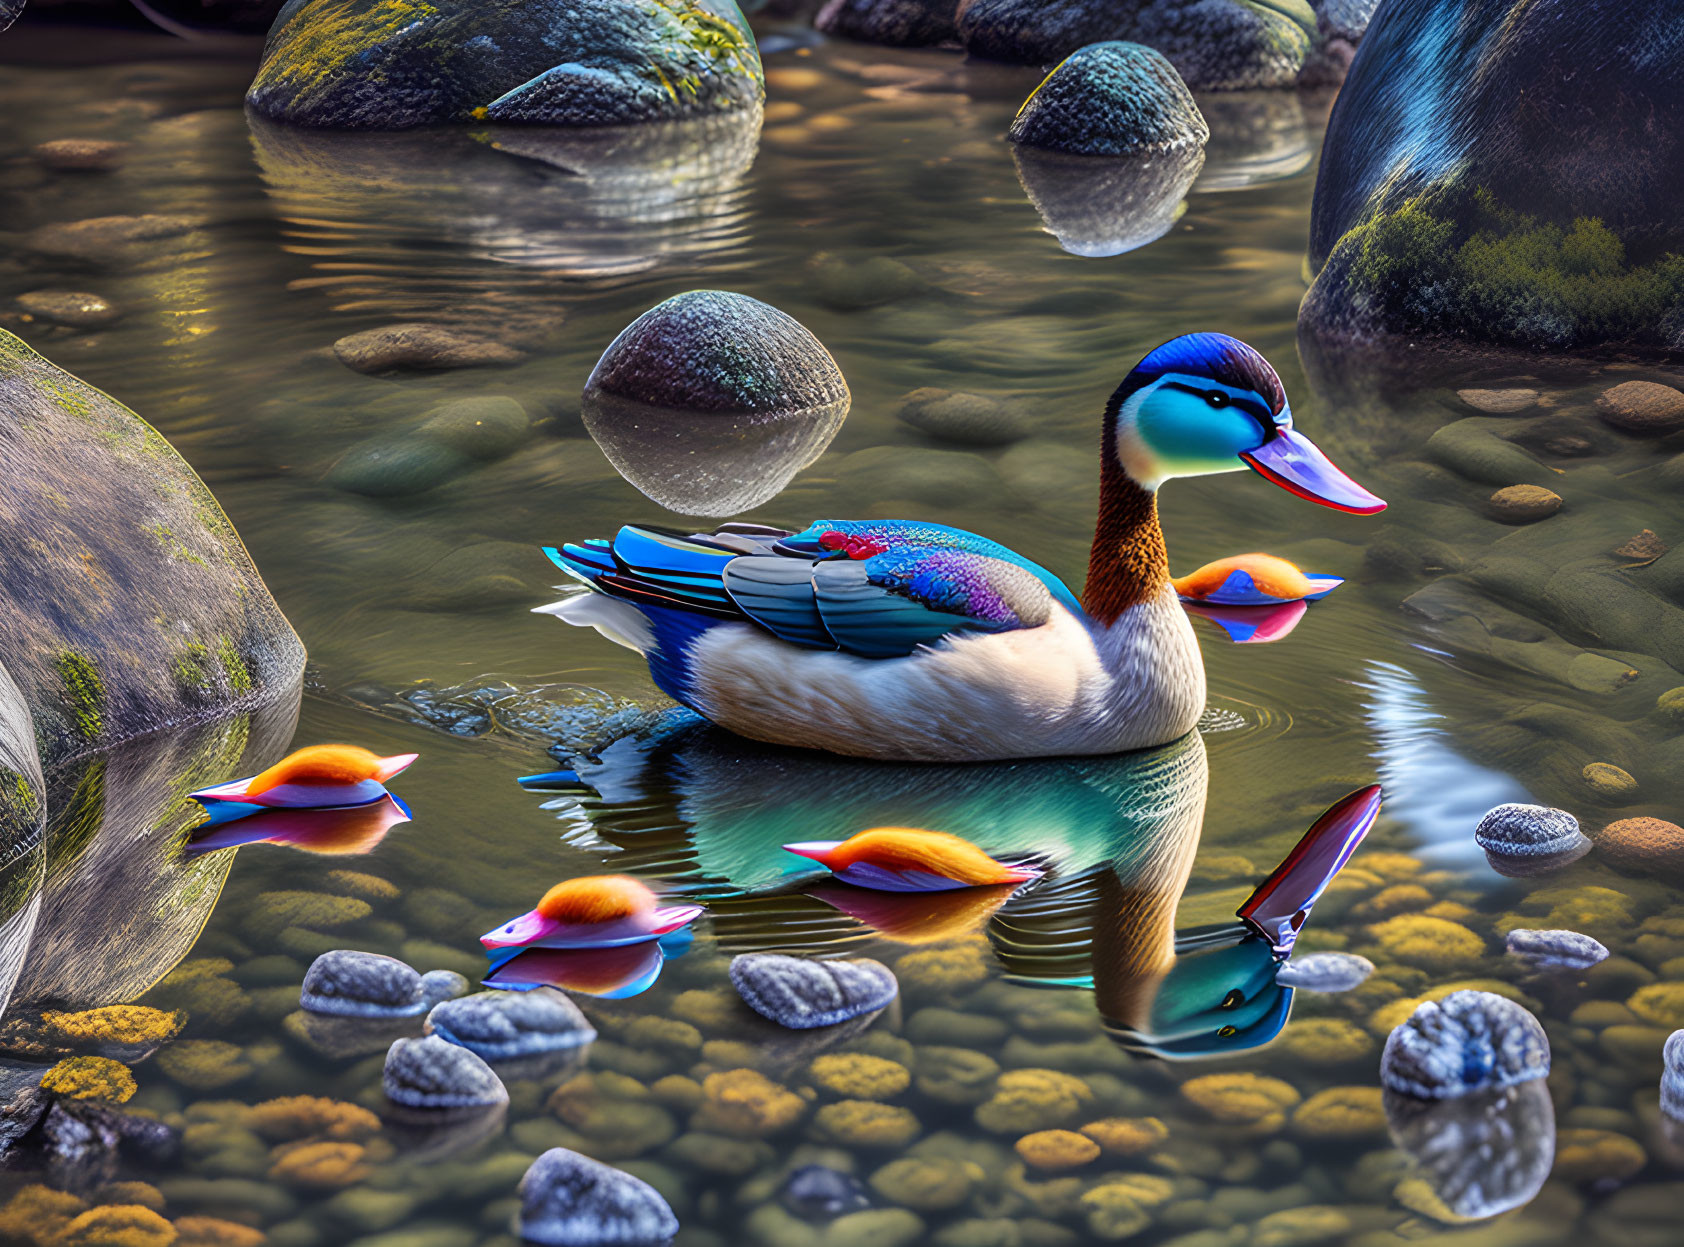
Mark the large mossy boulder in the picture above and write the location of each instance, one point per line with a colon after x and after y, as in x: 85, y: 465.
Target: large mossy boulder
x: 1505, y: 174
x: 1111, y: 99
x: 1216, y: 45
x: 131, y: 604
x: 393, y: 64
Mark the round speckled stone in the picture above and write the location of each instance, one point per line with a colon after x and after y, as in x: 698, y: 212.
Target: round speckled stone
x: 1469, y: 1041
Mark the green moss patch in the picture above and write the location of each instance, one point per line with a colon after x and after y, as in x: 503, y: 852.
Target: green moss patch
x: 1461, y: 264
x: 84, y: 691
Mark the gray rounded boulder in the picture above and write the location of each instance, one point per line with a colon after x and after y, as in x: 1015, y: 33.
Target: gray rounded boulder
x: 1523, y: 840
x: 1216, y: 45
x: 1111, y: 99
x: 507, y: 1026
x: 433, y: 1074
x: 1469, y: 1041
x: 347, y: 983
x: 896, y: 23
x: 711, y: 402
x: 393, y: 64
x: 569, y: 1200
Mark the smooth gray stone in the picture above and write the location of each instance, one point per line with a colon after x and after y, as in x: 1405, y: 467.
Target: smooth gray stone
x: 1469, y: 1041
x: 347, y: 983
x: 802, y: 993
x: 432, y: 1073
x: 569, y: 1200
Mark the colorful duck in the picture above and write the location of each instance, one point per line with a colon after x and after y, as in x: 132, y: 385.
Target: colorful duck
x: 1253, y: 580
x: 315, y: 777
x: 593, y: 911
x: 910, y: 859
x: 914, y: 641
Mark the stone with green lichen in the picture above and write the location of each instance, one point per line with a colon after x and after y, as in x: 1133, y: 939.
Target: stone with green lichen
x: 132, y: 603
x: 342, y: 63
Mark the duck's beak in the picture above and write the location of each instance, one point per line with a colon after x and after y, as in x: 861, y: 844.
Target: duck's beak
x: 389, y: 767
x: 1297, y: 465
x: 1282, y: 902
x: 519, y: 931
x: 818, y: 850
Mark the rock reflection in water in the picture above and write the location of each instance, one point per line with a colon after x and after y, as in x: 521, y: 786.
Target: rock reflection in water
x: 708, y: 463
x: 1482, y: 1154
x: 1103, y: 205
x: 382, y: 210
x: 1255, y: 136
x: 120, y: 902
x: 23, y: 807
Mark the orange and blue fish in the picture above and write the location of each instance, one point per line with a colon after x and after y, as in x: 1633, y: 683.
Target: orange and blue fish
x: 1252, y: 580
x: 315, y: 777
x: 911, y: 859
x: 593, y: 911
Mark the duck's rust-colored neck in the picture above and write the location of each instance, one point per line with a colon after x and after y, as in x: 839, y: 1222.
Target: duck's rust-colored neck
x: 1128, y: 564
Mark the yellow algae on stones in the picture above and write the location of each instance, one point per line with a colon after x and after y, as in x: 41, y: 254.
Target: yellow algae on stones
x: 204, y: 1064
x: 677, y: 1091
x: 865, y: 1123
x: 1301, y: 1227
x: 273, y: 912
x: 319, y: 1164
x: 712, y: 1010
x: 854, y: 1076
x: 1391, y: 866
x: 928, y: 1183
x: 116, y: 1225
x: 1053, y: 1150
x: 142, y: 1193
x: 956, y: 1075
x: 1127, y: 1136
x: 1395, y: 1012
x: 746, y: 1104
x: 305, y: 1116
x: 1242, y: 1098
x: 1340, y: 1113
x: 123, y: 1024
x: 90, y: 1078
x: 616, y: 1114
x: 1601, y: 913
x: 1597, y: 1156
x: 1609, y: 782
x: 938, y: 970
x: 1429, y: 943
x: 215, y: 1232
x: 668, y: 1035
x: 363, y: 886
x: 1660, y: 1003
x: 1399, y: 898
x: 1119, y: 1208
x: 36, y: 1215
x: 1026, y: 1100
x: 1327, y: 1041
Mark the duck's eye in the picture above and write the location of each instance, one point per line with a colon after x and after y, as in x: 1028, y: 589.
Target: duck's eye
x: 1216, y: 398
x: 1227, y: 1032
x: 1233, y: 999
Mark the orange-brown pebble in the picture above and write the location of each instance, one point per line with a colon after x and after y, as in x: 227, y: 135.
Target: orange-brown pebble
x: 215, y: 1232
x: 1126, y: 1136
x: 318, y: 1165
x: 1052, y: 1150
x: 116, y: 1225
x: 37, y: 1214
x: 304, y: 1116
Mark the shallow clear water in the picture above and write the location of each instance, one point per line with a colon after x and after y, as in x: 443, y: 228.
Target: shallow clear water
x: 415, y: 611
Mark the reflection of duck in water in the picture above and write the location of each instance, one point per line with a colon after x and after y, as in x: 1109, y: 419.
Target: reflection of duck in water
x: 337, y: 830
x: 712, y: 813
x: 910, y: 859
x: 1203, y: 992
x: 905, y: 640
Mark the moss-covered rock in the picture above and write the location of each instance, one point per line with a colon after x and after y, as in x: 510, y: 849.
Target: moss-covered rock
x: 131, y: 604
x: 393, y: 64
x: 1444, y: 213
x: 896, y: 23
x: 1111, y: 99
x: 1216, y: 45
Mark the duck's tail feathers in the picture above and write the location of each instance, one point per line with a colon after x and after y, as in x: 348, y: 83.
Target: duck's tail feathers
x: 656, y: 566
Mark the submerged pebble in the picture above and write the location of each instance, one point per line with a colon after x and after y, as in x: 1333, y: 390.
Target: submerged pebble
x: 441, y: 985
x: 1643, y: 845
x: 347, y: 983
x: 1499, y: 402
x: 820, y: 1193
x: 1325, y: 972
x: 1672, y: 1079
x: 801, y: 993
x: 1556, y: 950
x: 569, y: 1200
x: 506, y: 1026
x: 432, y: 1073
x: 1642, y: 407
x: 75, y: 308
x: 1530, y: 839
x: 420, y: 347
x: 1469, y: 1041
x: 81, y: 155
x: 1609, y: 782
x: 968, y: 419
x: 1524, y: 504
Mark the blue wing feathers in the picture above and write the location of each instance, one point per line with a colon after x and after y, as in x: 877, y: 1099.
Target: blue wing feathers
x: 874, y: 588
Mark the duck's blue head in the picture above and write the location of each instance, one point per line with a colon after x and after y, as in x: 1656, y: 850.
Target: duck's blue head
x: 1205, y: 403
